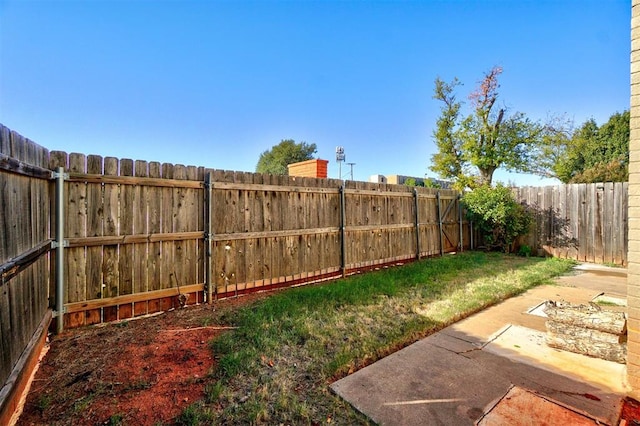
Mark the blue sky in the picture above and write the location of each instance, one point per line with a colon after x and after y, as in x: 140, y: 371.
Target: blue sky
x: 215, y: 83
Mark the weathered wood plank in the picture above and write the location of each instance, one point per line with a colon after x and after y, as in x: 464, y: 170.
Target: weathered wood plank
x: 6, y: 251
x: 16, y: 318
x: 76, y: 226
x: 110, y: 255
x: 95, y: 222
x: 180, y: 214
x: 154, y: 205
x: 129, y: 299
x: 11, y: 165
x: 607, y: 231
x: 193, y: 222
x: 125, y: 218
x: 21, y: 262
x: 592, y: 223
x: 167, y: 248
x: 583, y: 233
x: 6, y: 332
x: 136, y: 239
x: 562, y: 228
x: 5, y: 140
x: 555, y: 221
x: 575, y: 221
x: 599, y: 225
x: 140, y: 226
x: 132, y: 180
x: 271, y: 184
x: 200, y: 248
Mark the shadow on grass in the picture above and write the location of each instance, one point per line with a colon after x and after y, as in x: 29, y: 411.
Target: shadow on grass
x: 276, y: 366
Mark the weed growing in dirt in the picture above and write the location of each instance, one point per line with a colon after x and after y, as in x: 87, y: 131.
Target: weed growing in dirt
x: 276, y: 366
x: 194, y: 414
x: 137, y: 385
x: 122, y: 324
x: 43, y: 402
x: 212, y: 392
x: 81, y: 404
x: 115, y: 420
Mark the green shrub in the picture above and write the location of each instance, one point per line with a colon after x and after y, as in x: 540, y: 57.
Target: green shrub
x: 495, y: 212
x: 524, y: 251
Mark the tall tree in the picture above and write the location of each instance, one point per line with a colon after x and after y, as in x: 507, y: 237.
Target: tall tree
x: 275, y: 160
x: 597, y: 154
x: 473, y: 147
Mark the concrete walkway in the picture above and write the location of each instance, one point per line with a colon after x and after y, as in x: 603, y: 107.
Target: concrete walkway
x: 494, y: 368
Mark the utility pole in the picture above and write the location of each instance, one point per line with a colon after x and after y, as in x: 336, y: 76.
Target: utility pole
x: 351, y: 164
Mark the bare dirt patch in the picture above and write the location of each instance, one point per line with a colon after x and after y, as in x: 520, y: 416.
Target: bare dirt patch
x: 142, y: 372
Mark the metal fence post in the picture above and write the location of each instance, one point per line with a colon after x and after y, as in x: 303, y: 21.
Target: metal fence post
x: 60, y: 249
x: 208, y: 236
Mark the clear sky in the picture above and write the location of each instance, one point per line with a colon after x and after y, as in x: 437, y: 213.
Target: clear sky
x: 215, y: 83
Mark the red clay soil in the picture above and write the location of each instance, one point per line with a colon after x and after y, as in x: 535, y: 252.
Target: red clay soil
x: 630, y: 412
x: 142, y: 372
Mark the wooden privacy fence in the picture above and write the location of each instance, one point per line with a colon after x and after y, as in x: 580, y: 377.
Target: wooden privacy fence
x: 24, y: 262
x: 141, y: 233
x: 142, y: 237
x: 586, y: 222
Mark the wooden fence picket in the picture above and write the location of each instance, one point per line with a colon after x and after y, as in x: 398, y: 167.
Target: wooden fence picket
x: 585, y: 222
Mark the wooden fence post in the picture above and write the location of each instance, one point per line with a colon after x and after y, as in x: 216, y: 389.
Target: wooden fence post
x: 460, y: 220
x: 417, y: 223
x: 208, y: 236
x: 439, y: 223
x: 471, y: 235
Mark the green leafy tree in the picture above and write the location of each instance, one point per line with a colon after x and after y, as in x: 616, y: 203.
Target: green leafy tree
x: 413, y: 182
x: 472, y: 147
x: 571, y: 160
x: 498, y: 216
x: 432, y: 183
x: 275, y: 160
x: 597, y: 154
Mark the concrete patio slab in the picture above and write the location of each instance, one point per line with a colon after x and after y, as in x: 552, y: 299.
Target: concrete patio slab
x: 457, y: 376
x: 528, y: 346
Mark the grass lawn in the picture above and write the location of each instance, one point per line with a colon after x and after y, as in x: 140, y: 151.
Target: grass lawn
x: 276, y: 367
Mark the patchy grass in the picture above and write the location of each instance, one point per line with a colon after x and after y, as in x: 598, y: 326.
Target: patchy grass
x: 275, y: 368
